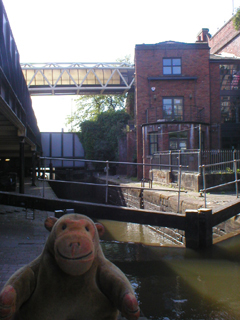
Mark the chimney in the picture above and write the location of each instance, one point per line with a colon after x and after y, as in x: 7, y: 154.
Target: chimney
x: 203, y: 35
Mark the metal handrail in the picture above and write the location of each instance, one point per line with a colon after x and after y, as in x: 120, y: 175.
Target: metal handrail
x: 107, y: 185
x: 110, y: 162
x: 234, y: 162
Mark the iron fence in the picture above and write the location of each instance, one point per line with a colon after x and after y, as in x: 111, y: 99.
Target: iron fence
x: 219, y: 161
x: 191, y: 160
x: 188, y: 159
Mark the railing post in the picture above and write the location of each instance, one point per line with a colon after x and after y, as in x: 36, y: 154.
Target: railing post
x: 39, y: 168
x: 198, y: 230
x: 107, y: 171
x: 22, y: 166
x: 236, y: 177
x: 192, y: 229
x: 179, y: 186
x: 234, y: 157
x: 204, y: 186
x: 179, y: 157
x: 51, y: 170
x: 205, y: 228
x: 170, y: 162
x: 34, y: 168
x: 44, y: 167
x: 199, y: 161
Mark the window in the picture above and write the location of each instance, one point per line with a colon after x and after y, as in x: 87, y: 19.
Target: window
x: 230, y: 76
x: 172, y: 66
x: 153, y: 143
x: 173, y: 109
x: 178, y: 140
x: 230, y: 109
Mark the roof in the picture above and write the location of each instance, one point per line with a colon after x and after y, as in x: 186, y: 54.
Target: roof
x: 172, y: 45
x: 224, y: 56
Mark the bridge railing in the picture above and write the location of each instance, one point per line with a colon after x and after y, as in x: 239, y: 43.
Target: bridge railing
x: 78, y: 77
x: 107, y: 184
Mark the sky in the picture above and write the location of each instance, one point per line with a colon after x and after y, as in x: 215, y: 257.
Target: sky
x: 102, y: 31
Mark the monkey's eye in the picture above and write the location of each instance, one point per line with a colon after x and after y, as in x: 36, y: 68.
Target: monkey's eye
x: 64, y: 226
x: 87, y: 229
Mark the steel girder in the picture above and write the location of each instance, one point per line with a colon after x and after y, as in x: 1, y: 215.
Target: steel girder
x: 78, y: 78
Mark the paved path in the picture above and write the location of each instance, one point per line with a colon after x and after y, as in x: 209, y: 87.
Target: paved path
x: 22, y: 234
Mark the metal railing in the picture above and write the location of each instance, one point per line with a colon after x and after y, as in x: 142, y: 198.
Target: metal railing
x: 234, y: 164
x: 221, y: 160
x: 193, y: 159
x: 189, y: 159
x: 107, y: 185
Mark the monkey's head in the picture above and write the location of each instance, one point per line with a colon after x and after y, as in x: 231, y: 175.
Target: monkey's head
x: 74, y: 240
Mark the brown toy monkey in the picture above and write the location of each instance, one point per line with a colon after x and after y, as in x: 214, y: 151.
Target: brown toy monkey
x: 70, y: 280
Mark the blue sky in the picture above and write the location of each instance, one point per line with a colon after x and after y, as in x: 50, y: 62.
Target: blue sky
x: 102, y: 31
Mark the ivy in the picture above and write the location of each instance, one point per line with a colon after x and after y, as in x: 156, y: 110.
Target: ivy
x: 100, y: 136
x: 236, y: 20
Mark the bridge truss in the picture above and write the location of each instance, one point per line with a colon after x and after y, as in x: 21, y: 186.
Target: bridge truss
x: 78, y: 78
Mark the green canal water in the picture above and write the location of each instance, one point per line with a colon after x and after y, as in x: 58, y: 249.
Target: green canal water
x: 174, y: 282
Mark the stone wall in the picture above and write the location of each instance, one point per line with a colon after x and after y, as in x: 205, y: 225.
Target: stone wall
x: 189, y: 180
x: 194, y: 181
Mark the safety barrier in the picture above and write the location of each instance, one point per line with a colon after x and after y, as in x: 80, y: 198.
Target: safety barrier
x: 234, y: 163
x: 106, y: 169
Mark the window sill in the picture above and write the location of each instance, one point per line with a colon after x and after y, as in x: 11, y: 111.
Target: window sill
x: 171, y: 78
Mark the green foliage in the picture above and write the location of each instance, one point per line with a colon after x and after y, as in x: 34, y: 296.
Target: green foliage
x: 100, y: 136
x: 236, y: 20
x: 90, y: 106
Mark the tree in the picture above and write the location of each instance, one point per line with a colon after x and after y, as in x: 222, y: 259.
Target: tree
x: 100, y: 136
x: 90, y: 106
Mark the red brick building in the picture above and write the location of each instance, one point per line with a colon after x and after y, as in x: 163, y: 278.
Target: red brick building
x: 187, y: 97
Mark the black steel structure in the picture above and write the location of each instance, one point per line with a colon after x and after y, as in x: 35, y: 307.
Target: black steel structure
x: 20, y: 138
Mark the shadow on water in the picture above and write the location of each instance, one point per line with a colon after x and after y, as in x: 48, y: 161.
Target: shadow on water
x: 179, y: 283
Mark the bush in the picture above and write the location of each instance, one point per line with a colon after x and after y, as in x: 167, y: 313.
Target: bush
x: 100, y: 137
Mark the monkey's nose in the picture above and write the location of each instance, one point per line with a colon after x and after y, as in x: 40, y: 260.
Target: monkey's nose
x: 74, y: 248
x: 74, y: 244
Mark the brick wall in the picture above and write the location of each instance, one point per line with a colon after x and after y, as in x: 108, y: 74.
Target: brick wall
x: 215, y: 115
x: 194, y: 87
x: 227, y: 39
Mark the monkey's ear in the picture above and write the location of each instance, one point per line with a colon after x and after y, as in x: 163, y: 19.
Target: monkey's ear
x: 50, y: 222
x: 100, y: 229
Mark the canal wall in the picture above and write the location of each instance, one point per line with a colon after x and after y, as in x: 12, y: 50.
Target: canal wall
x: 193, y: 180
x: 126, y: 197
x: 147, y: 199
